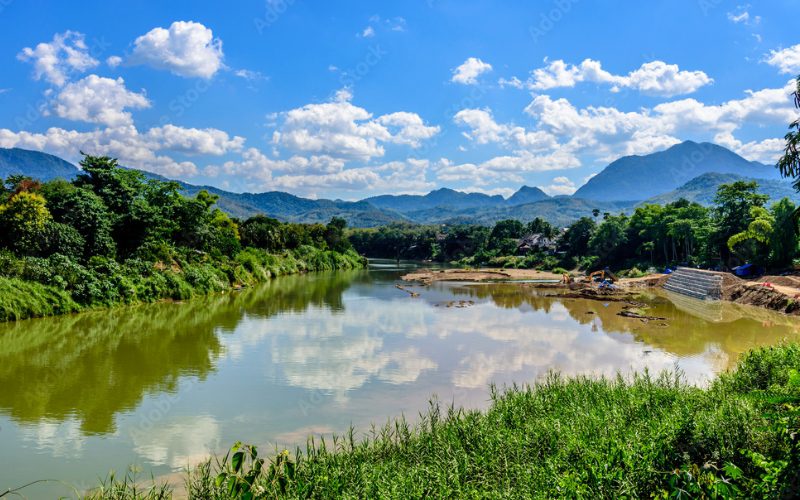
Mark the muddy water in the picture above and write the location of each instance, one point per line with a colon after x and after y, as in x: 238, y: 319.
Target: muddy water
x: 164, y: 385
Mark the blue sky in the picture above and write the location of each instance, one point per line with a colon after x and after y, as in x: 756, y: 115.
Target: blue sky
x: 351, y: 99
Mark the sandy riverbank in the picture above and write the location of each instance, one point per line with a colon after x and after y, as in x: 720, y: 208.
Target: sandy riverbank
x: 778, y: 293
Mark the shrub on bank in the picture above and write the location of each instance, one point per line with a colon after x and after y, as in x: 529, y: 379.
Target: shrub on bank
x: 104, y: 282
x: 646, y: 436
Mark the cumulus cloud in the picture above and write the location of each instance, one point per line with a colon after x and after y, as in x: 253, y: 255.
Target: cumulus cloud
x: 563, y: 132
x: 100, y: 100
x: 560, y: 185
x: 340, y: 128
x: 368, y: 32
x: 654, y: 78
x: 468, y: 72
x: 310, y: 175
x: 786, y: 60
x: 55, y: 60
x: 134, y: 149
x: 484, y: 129
x: 194, y: 141
x: 186, y: 49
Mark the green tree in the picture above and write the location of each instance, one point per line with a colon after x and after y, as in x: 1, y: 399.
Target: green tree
x: 732, y: 215
x: 261, y: 231
x: 22, y: 220
x: 577, y: 236
x: 609, y: 240
x: 541, y: 226
x: 335, y: 236
x: 85, y: 212
x: 784, y: 242
x: 752, y: 244
x: 789, y: 163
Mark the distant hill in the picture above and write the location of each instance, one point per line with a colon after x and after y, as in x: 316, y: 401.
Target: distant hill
x: 688, y: 170
x: 527, y: 194
x: 34, y: 164
x: 641, y: 177
x: 282, y: 206
x: 560, y: 211
x: 703, y: 188
x: 443, y: 197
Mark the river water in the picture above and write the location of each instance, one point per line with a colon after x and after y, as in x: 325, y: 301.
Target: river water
x: 162, y: 386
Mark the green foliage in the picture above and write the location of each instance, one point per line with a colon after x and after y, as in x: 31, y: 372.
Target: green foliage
x: 644, y: 436
x: 789, y: 163
x: 113, y: 237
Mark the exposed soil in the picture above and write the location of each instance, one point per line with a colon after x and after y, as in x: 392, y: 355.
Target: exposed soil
x: 778, y: 293
x: 427, y: 276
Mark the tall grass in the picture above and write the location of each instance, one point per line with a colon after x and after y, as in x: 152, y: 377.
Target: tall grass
x: 33, y: 287
x: 23, y: 299
x: 647, y: 436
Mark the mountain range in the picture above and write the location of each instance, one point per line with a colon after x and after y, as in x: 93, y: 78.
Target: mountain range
x: 687, y: 170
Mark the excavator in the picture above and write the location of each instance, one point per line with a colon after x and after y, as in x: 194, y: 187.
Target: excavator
x: 602, y: 275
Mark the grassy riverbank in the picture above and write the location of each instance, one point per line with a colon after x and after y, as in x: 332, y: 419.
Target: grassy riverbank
x: 562, y: 437
x: 34, y: 287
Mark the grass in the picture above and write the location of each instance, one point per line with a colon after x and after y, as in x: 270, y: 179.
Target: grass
x: 648, y: 436
x: 21, y: 299
x: 48, y: 287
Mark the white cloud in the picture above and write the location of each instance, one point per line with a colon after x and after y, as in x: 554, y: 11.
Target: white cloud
x: 54, y: 61
x: 560, y: 185
x: 610, y: 133
x: 134, y: 149
x: 410, y: 129
x: 187, y: 49
x: 100, y: 100
x: 742, y: 16
x: 114, y: 61
x: 786, y: 60
x: 194, y: 141
x: 655, y: 77
x: 485, y: 130
x: 341, y: 129
x: 468, y: 72
x: 368, y: 32
x: 249, y: 74
x: 512, y: 82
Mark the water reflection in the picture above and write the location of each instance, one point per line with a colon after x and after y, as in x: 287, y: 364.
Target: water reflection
x: 91, y: 366
x: 168, y: 383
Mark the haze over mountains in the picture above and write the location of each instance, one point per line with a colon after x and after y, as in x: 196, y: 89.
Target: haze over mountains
x: 689, y: 170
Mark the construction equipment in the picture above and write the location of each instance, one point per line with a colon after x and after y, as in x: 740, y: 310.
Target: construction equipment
x: 602, y: 275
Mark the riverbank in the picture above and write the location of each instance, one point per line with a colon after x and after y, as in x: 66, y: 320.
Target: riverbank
x: 777, y: 293
x: 560, y: 437
x: 32, y: 288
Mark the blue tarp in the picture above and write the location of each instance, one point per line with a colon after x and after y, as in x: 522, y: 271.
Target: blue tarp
x: 747, y: 270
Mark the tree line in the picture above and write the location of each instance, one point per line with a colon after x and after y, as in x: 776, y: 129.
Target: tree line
x: 113, y: 235
x: 738, y: 228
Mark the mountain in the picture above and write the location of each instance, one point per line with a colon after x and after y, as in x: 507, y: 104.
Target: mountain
x: 34, y: 164
x: 642, y: 177
x: 526, y: 194
x: 703, y: 188
x: 282, y: 206
x: 560, y: 211
x: 443, y: 197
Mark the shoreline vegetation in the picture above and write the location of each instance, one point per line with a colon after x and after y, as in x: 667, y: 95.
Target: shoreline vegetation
x: 113, y: 237
x: 643, y: 436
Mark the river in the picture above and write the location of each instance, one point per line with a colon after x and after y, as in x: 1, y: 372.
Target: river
x: 162, y: 386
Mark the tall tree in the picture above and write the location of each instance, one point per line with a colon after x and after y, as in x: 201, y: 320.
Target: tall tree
x: 789, y: 163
